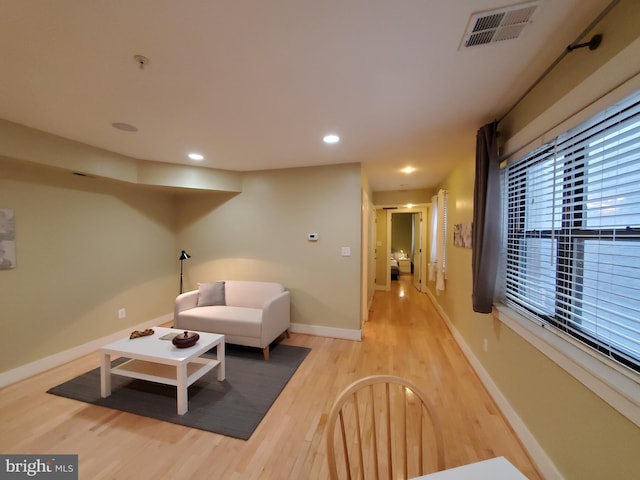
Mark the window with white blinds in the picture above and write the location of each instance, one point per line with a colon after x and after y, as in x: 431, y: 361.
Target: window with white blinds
x: 433, y: 257
x: 441, y: 242
x: 572, y: 233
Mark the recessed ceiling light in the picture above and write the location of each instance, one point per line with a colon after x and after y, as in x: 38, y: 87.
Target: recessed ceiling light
x: 408, y: 170
x: 196, y: 156
x: 331, y: 138
x: 125, y: 127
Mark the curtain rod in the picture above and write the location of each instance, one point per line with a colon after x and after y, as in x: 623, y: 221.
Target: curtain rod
x: 540, y: 138
x: 567, y: 50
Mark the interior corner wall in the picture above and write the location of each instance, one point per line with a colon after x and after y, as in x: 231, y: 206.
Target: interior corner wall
x: 85, y: 248
x: 261, y: 234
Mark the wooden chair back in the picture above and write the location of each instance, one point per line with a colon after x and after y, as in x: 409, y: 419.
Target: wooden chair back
x: 383, y: 426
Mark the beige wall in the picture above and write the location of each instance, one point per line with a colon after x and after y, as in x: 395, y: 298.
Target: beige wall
x: 85, y: 248
x: 459, y: 187
x: 261, y: 234
x: 398, y: 198
x: 88, y: 246
x: 581, y: 434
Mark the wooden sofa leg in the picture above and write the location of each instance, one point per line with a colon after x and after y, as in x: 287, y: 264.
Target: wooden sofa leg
x: 287, y: 333
x: 265, y: 352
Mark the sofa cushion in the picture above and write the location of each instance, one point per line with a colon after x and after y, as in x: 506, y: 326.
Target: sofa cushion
x: 224, y: 319
x: 210, y: 294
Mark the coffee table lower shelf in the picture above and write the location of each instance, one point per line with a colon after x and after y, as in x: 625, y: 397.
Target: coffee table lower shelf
x: 166, y: 374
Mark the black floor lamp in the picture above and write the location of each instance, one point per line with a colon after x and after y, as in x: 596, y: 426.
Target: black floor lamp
x: 183, y: 256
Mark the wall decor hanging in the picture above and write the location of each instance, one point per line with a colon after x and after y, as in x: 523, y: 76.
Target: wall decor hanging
x: 462, y: 234
x: 7, y: 239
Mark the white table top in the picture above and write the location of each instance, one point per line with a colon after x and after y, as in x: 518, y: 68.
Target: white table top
x: 152, y: 347
x: 497, y: 468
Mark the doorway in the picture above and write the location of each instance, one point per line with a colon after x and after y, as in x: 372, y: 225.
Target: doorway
x: 408, y: 247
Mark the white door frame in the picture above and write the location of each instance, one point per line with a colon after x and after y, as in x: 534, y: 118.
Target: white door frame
x: 423, y: 243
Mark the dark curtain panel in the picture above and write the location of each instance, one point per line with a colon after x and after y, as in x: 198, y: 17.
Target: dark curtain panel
x: 486, y: 218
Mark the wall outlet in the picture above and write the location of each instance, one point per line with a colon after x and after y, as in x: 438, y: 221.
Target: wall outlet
x: 485, y: 345
x: 122, y: 313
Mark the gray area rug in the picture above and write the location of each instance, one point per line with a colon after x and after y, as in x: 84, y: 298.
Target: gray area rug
x: 234, y: 407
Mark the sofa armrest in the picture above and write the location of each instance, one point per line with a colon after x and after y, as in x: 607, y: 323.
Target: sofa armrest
x: 276, y: 316
x: 185, y: 301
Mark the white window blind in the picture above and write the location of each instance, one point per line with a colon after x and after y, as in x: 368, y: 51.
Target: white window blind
x: 433, y: 245
x: 572, y: 233
x: 441, y: 242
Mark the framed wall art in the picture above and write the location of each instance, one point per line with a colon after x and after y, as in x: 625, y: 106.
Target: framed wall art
x: 462, y: 234
x: 7, y: 239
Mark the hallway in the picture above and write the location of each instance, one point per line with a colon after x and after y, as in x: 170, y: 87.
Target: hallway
x: 412, y: 340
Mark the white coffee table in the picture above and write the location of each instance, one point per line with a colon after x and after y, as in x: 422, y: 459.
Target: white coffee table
x: 157, y: 360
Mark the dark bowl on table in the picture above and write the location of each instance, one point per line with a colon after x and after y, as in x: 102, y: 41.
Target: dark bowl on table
x: 185, y: 340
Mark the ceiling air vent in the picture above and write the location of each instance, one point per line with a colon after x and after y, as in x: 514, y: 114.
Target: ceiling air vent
x: 504, y: 23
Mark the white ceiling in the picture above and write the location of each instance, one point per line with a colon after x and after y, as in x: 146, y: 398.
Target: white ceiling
x: 255, y: 84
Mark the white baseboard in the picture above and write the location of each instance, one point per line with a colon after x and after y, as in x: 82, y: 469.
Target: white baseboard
x: 60, y: 358
x: 333, y: 332
x: 535, y: 450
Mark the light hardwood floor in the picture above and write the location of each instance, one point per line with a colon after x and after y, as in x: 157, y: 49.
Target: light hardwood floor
x: 404, y: 336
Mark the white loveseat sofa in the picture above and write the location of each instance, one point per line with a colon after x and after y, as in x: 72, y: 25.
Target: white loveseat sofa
x: 247, y: 312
